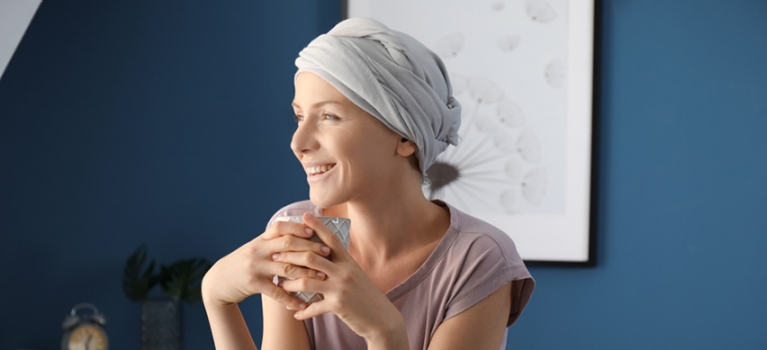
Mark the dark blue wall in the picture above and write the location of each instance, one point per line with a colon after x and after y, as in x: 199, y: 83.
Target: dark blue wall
x: 121, y: 122
x: 124, y: 122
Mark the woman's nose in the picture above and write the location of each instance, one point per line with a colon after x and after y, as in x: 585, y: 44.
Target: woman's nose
x: 304, y: 138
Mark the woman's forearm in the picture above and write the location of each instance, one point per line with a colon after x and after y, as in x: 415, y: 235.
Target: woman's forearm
x: 393, y: 337
x: 230, y: 332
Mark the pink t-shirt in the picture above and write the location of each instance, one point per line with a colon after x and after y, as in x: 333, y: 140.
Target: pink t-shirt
x: 472, y: 261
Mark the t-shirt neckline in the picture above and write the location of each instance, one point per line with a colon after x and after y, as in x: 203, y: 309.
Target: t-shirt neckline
x: 436, y: 255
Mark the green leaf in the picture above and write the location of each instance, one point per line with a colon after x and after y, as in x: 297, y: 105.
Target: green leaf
x: 181, y: 280
x: 137, y: 281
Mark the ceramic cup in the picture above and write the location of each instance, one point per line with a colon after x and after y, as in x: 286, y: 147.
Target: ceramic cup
x: 340, y: 227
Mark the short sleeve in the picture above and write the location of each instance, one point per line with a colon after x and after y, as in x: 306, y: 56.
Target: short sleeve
x: 489, y: 262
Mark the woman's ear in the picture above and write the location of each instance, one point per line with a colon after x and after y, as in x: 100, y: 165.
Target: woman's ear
x: 406, y: 147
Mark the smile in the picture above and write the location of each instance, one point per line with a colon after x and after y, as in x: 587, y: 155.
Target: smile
x: 315, y: 171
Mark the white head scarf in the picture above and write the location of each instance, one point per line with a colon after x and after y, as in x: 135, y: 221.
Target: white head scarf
x: 393, y: 77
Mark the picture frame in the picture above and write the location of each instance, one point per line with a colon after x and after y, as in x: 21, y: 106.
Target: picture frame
x: 525, y: 73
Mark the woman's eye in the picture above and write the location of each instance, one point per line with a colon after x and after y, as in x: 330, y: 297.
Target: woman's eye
x: 299, y: 118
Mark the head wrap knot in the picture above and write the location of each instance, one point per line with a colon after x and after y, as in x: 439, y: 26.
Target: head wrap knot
x: 393, y: 77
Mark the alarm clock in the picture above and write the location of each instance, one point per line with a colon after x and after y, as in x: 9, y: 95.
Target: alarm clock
x: 84, y: 332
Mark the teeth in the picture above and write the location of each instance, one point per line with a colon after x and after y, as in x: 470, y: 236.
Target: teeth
x: 313, y: 170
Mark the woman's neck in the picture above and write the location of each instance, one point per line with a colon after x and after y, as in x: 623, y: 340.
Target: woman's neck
x: 389, y: 227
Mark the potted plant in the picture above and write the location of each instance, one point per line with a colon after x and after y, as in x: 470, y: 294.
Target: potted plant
x: 161, y: 318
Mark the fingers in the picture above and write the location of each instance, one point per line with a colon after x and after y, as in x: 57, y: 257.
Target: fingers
x: 315, y: 309
x: 284, y: 269
x: 307, y: 285
x: 295, y: 260
x: 295, y: 244
x: 325, y: 234
x: 282, y: 228
x: 302, y: 285
x: 281, y: 296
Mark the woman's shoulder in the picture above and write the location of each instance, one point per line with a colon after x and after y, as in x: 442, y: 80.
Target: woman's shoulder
x: 481, y: 259
x: 295, y: 209
x: 478, y: 237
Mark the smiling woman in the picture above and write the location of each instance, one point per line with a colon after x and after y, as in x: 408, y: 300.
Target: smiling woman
x: 373, y: 109
x: 362, y: 151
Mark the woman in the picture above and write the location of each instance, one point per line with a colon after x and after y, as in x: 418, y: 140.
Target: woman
x: 373, y: 110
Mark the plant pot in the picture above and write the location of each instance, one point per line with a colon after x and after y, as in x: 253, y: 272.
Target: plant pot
x: 161, y: 325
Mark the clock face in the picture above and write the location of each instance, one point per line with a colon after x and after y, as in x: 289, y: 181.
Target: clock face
x: 88, y: 337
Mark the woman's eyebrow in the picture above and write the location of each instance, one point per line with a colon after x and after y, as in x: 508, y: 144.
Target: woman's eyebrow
x: 318, y: 104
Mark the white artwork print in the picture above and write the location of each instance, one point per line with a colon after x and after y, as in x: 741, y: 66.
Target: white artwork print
x: 524, y: 149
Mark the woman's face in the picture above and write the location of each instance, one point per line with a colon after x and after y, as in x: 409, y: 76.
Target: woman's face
x: 346, y: 152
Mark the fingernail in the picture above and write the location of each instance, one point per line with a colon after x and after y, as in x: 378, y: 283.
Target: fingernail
x: 325, y: 249
x: 309, y: 216
x: 275, y: 256
x: 320, y: 274
x: 302, y: 306
x: 308, y: 231
x: 297, y: 315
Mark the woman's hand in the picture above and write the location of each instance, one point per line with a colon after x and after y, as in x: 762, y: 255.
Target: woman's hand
x: 249, y: 269
x: 347, y: 290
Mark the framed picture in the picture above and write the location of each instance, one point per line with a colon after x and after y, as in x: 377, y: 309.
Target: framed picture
x: 523, y: 71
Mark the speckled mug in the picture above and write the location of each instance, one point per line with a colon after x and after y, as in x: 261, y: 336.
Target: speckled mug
x: 340, y: 227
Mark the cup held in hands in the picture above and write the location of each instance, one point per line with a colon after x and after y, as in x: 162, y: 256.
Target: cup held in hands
x: 340, y: 227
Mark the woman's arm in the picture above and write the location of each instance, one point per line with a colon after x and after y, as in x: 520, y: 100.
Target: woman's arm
x: 249, y: 270
x: 281, y: 329
x: 228, y: 327
x: 391, y: 339
x: 479, y: 327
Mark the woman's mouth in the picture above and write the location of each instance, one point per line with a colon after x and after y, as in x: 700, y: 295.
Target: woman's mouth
x: 318, y: 172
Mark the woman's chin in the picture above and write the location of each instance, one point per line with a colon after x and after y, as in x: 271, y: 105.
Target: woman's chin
x: 323, y: 200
